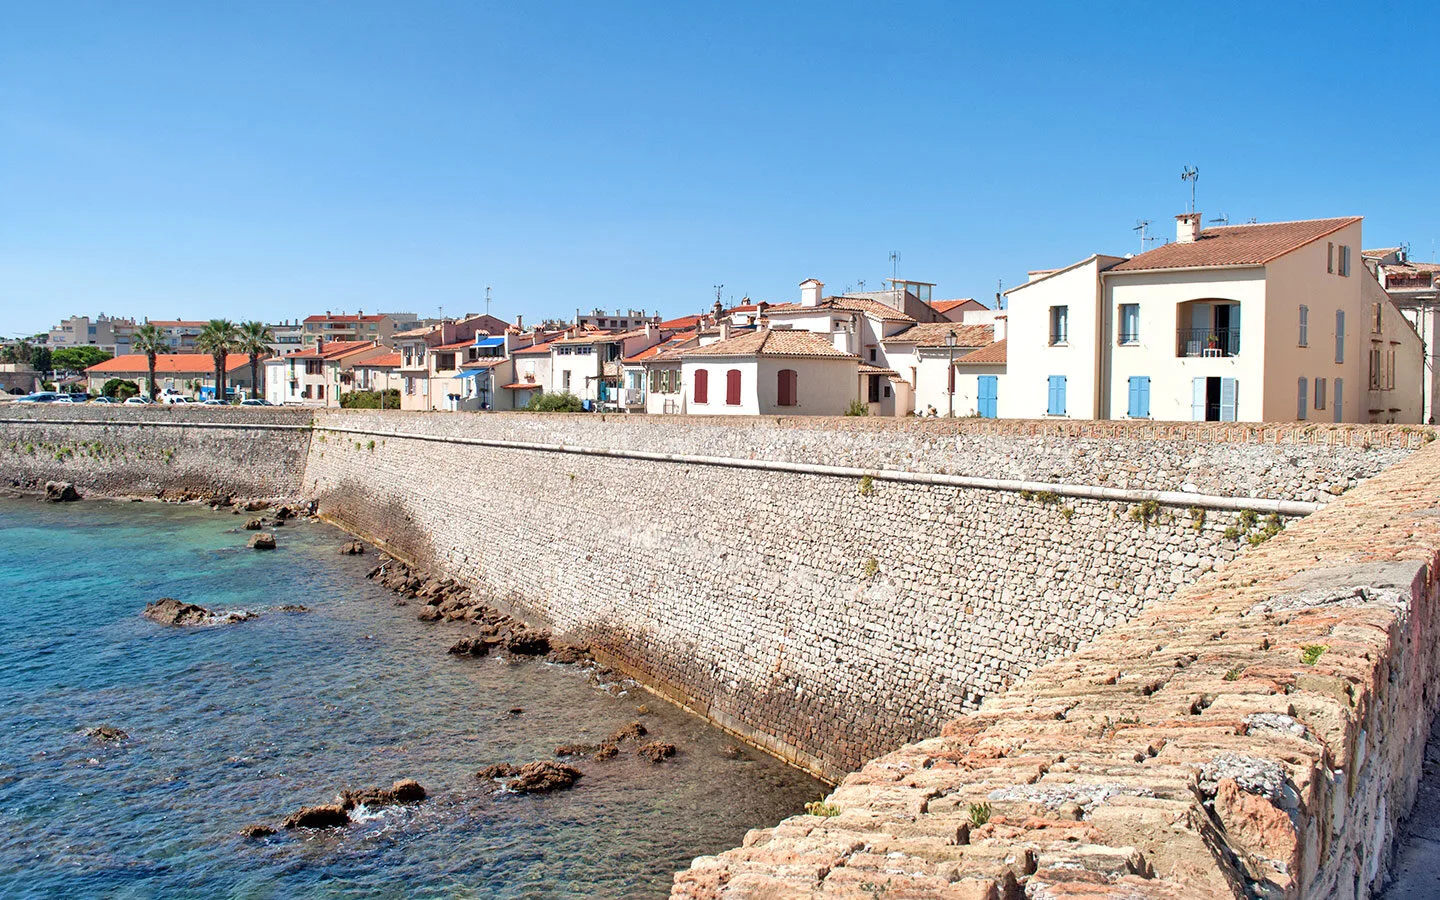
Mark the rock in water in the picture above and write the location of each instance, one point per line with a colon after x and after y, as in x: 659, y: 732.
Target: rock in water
x: 256, y: 831
x: 499, y: 770
x: 257, y: 505
x: 254, y: 525
x: 470, y: 646
x: 539, y: 777
x: 401, y: 792
x: 353, y: 548
x: 634, y: 731
x: 528, y: 643
x: 169, y: 611
x: 567, y: 653
x: 576, y: 749
x: 656, y: 751
x: 61, y: 492
x: 330, y: 816
x: 606, y: 751
x: 263, y: 541
x: 106, y: 734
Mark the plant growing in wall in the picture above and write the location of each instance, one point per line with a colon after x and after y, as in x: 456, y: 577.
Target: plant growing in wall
x: 1310, y: 653
x: 857, y: 408
x: 979, y: 814
x: 1146, y: 513
x: 870, y: 568
x: 867, y: 485
x: 821, y: 808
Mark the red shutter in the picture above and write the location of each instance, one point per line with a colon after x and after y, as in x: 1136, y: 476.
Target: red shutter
x: 732, y: 387
x: 702, y: 386
x: 786, y: 393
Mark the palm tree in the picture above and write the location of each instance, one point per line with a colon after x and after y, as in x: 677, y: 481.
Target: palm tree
x: 151, y: 341
x: 254, y: 339
x: 217, y: 339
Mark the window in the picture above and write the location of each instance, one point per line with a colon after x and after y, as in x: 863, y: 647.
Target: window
x: 872, y: 354
x: 1339, y: 335
x: 1302, y: 402
x: 1344, y: 261
x: 1319, y: 393
x: 1215, y: 399
x: 565, y: 380
x: 1129, y: 323
x: 702, y: 386
x: 1375, y: 321
x: 1339, y: 399
x: 1056, y: 406
x: 1330, y: 258
x: 732, y: 387
x: 1304, y: 326
x: 1139, y: 397
x: 1376, y: 362
x: 1059, y: 325
x: 1390, y: 369
x: 874, y: 388
x: 786, y: 390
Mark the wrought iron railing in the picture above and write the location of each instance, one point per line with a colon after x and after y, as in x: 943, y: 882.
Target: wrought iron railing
x: 1208, y: 341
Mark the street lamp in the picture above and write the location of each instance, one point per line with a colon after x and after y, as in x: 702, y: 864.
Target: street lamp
x: 950, y: 340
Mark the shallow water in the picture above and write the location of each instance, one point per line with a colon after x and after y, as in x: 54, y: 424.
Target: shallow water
x: 246, y: 722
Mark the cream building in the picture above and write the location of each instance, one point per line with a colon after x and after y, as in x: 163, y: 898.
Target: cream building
x: 1250, y: 323
x: 769, y: 372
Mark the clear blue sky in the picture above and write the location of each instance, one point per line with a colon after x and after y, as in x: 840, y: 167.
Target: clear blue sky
x: 271, y: 160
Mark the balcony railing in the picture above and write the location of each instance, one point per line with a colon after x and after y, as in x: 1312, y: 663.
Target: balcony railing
x: 1208, y: 341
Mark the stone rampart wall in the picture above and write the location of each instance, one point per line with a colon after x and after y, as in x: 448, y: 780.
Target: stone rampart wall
x: 145, y: 452
x: 821, y: 617
x: 1258, y: 734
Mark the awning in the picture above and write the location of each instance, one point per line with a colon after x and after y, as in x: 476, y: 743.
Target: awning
x: 469, y: 373
x: 522, y: 386
x: 490, y: 342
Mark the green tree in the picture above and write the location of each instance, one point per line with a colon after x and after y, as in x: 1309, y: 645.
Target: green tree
x: 217, y: 338
x: 389, y: 399
x: 254, y: 339
x: 151, y: 341
x: 120, y: 388
x: 76, y: 359
x: 560, y: 402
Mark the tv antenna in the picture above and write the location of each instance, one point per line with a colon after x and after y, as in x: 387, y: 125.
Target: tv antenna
x: 1143, y: 226
x: 999, y: 293
x: 861, y: 282
x: 718, y: 288
x: 1222, y: 219
x: 487, y: 299
x: 1192, y: 175
x: 894, y: 265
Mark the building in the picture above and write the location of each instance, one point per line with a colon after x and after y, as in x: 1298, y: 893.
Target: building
x: 463, y: 375
x: 651, y: 378
x: 600, y: 320
x: 921, y: 357
x: 531, y: 354
x: 1414, y: 288
x: 769, y: 372
x: 289, y: 335
x: 18, y: 378
x: 358, y: 327
x: 105, y: 332
x: 180, y: 334
x: 319, y: 375
x: 417, y: 369
x: 1262, y: 322
x: 190, y: 374
x: 588, y: 363
x: 378, y: 373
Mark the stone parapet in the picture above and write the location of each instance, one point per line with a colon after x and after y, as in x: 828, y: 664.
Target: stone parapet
x: 1258, y: 733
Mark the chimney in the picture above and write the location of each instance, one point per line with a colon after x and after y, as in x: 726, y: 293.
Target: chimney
x: 320, y: 344
x: 810, y: 291
x: 1187, y: 228
x: 519, y: 323
x: 649, y: 330
x: 724, y: 331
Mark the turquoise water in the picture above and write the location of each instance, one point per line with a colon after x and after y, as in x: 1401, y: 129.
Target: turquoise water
x: 244, y: 723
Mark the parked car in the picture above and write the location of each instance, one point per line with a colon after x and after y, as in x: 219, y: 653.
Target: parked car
x: 103, y: 399
x: 174, y: 399
x: 256, y: 401
x: 41, y: 397
x: 139, y: 400
x: 213, y: 402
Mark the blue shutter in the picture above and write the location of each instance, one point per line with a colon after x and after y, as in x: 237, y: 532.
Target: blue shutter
x: 1302, y: 402
x: 1144, y: 412
x: 1197, y: 400
x: 988, y: 389
x: 1340, y: 335
x: 1339, y: 400
x: 1139, y: 396
x: 1056, y: 406
x: 1228, y: 399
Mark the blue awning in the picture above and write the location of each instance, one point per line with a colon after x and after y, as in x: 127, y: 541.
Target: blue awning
x: 490, y: 342
x: 469, y: 373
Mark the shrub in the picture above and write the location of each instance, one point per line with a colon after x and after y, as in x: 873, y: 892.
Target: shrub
x: 564, y: 401
x: 1197, y: 518
x: 1146, y: 513
x: 979, y: 814
x: 371, y: 399
x: 857, y: 408
x: 870, y: 568
x: 867, y: 485
x: 821, y: 808
x: 120, y: 388
x: 1310, y: 653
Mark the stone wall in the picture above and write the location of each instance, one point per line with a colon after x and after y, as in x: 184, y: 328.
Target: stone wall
x: 144, y: 452
x: 825, y: 618
x: 1258, y: 734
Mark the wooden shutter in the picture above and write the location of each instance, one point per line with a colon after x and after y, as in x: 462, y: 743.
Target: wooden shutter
x: 702, y: 386
x: 1229, y: 398
x: 1197, y: 400
x: 1339, y: 401
x: 785, y: 392
x: 1301, y: 401
x: 732, y: 387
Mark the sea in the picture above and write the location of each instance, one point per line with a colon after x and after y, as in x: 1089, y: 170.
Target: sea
x: 243, y: 723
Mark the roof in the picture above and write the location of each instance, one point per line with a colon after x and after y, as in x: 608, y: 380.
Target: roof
x: 989, y: 355
x: 682, y: 322
x: 1235, y: 245
x: 177, y: 323
x: 536, y: 349
x: 484, y: 362
x: 933, y: 334
x: 1383, y: 251
x: 944, y: 306
x: 772, y: 342
x: 333, y: 350
x: 845, y: 304
x: 522, y: 386
x: 345, y: 318
x: 591, y: 337
x: 674, y: 342
x: 388, y: 361
x: 169, y: 363
x: 867, y: 369
x: 458, y: 345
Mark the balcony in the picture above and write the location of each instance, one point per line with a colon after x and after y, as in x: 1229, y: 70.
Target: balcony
x: 634, y: 397
x: 1208, y: 342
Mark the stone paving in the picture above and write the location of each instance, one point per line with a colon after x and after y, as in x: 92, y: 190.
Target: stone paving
x: 1258, y: 734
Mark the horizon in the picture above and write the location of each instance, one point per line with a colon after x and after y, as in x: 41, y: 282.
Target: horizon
x: 268, y: 163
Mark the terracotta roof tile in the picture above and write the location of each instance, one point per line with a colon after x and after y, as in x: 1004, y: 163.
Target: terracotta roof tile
x: 388, y: 361
x: 522, y: 386
x: 844, y: 304
x: 1235, y: 245
x: 345, y: 318
x: 933, y: 334
x: 333, y: 350
x: 169, y: 363
x: 772, y: 342
x: 989, y: 355
x: 944, y: 306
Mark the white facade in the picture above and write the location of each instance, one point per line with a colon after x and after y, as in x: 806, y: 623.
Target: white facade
x: 823, y: 386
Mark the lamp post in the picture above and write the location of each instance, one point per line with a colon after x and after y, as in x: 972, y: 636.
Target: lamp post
x: 950, y: 372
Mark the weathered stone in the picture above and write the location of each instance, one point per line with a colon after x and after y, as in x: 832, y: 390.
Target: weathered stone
x: 655, y: 751
x: 327, y: 816
x: 61, y: 492
x: 169, y: 611
x: 403, y: 792
x: 256, y: 831
x: 262, y: 541
x: 107, y: 734
x: 541, y: 777
x: 254, y: 525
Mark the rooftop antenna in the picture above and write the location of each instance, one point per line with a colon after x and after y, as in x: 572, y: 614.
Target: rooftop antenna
x: 1222, y: 219
x: 1142, y: 226
x: 861, y: 282
x: 487, y: 299
x: 894, y: 265
x: 1192, y: 175
x: 999, y: 293
x: 718, y: 288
